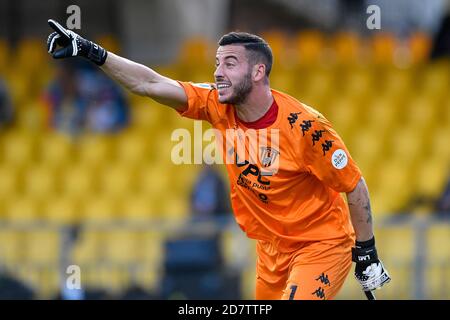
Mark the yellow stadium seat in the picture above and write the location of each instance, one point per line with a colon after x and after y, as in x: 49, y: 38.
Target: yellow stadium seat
x: 439, y: 143
x: 40, y: 182
x: 421, y: 112
x: 117, y: 180
x: 137, y: 208
x: 150, y: 250
x: 120, y: 246
x: 347, y: 47
x: 358, y: 83
x: 381, y: 115
x: 150, y: 254
x: 278, y: 43
x: 284, y: 81
x: 146, y: 115
x: 406, y: 144
x: 438, y: 257
x: 397, y: 82
x: 343, y: 114
x: 420, y: 45
x: 383, y: 48
x: 55, y: 150
x: 95, y: 151
x: 43, y: 247
x: 10, y: 182
x: 49, y: 282
x: 195, y: 49
x: 61, y: 210
x: 444, y: 112
x: 438, y: 242
x: 18, y: 149
x: 79, y: 181
x: 115, y: 279
x: 132, y: 148
x: 19, y: 86
x: 21, y: 209
x: 394, y: 187
x: 174, y: 207
x: 431, y: 177
x: 182, y: 178
x: 99, y: 209
x: 436, y: 79
x: 320, y: 83
x: 32, y: 117
x: 148, y: 276
x: 397, y: 249
x: 309, y: 45
x: 11, y: 243
x: 153, y: 180
x: 88, y: 247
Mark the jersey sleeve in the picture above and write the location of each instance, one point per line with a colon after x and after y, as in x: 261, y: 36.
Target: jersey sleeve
x: 202, y: 102
x: 326, y: 156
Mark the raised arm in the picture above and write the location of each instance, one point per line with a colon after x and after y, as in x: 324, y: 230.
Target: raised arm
x: 144, y: 81
x: 136, y: 77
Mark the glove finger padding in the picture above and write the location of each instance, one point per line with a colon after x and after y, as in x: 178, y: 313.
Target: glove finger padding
x: 59, y: 29
x: 63, y: 53
x: 51, y: 42
x: 371, y: 276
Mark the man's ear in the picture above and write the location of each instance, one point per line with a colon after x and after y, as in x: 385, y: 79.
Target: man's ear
x: 259, y: 71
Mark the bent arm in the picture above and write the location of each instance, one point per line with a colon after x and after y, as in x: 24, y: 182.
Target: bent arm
x: 360, y: 211
x: 144, y: 81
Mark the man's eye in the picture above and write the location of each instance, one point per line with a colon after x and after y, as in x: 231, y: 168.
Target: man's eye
x: 229, y: 64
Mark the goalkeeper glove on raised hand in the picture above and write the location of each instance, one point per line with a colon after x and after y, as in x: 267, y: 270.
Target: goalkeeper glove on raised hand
x: 369, y: 270
x: 73, y: 45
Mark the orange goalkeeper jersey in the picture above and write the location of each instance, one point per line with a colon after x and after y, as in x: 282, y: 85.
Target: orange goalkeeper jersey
x: 289, y: 194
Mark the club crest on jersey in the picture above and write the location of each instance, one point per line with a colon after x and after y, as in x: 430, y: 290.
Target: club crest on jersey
x: 268, y: 156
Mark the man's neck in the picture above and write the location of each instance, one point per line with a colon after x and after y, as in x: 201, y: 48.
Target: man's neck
x: 256, y: 105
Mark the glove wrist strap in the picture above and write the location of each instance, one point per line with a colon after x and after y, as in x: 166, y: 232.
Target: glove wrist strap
x: 365, y: 252
x: 97, y: 54
x: 365, y: 244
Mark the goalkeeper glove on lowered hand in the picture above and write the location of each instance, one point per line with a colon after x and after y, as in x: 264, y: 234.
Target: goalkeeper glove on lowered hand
x: 73, y: 45
x: 369, y: 270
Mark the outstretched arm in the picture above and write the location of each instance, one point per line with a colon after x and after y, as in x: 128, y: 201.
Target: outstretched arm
x: 144, y: 81
x: 137, y: 78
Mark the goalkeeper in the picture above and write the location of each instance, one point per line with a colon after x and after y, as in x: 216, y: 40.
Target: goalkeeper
x: 307, y: 236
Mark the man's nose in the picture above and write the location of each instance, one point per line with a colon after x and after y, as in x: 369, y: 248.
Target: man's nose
x: 218, y: 73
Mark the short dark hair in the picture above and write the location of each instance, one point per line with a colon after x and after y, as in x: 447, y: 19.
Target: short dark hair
x: 259, y: 50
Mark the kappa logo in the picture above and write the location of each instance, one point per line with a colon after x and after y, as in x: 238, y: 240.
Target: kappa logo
x: 324, y: 279
x: 293, y: 117
x: 327, y: 146
x: 316, y: 136
x: 306, y: 125
x: 320, y: 293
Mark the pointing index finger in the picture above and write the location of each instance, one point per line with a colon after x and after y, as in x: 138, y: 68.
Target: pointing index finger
x: 58, y: 28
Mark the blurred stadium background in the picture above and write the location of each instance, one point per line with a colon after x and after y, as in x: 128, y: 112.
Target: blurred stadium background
x: 112, y: 203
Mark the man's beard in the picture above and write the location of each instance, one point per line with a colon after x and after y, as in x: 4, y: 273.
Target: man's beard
x: 241, y: 91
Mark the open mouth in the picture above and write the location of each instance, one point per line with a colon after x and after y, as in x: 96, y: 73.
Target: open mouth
x: 221, y: 86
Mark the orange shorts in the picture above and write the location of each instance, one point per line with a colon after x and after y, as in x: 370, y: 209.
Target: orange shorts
x: 316, y: 270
